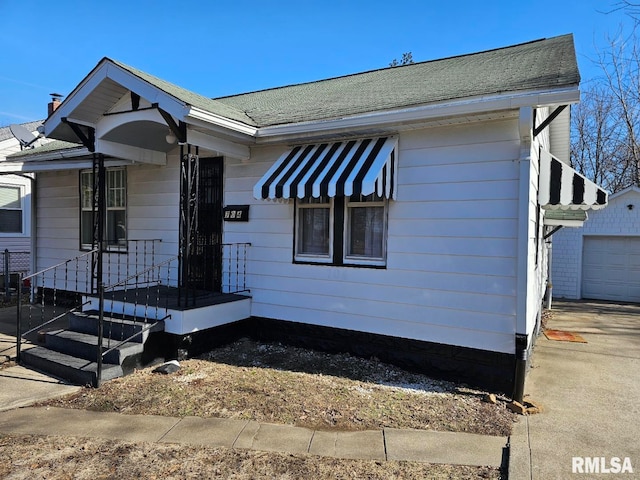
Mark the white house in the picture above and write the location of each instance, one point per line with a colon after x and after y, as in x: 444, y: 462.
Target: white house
x: 15, y: 203
x: 601, y: 260
x: 398, y: 212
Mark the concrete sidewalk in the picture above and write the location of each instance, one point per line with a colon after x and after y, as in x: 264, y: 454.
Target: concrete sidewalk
x: 381, y: 445
x: 589, y: 392
x: 21, y: 387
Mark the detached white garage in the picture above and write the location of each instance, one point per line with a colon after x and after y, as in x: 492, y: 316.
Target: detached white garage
x: 611, y: 268
x: 601, y: 260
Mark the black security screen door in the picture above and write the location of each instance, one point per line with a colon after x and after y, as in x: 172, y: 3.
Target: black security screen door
x: 205, y: 259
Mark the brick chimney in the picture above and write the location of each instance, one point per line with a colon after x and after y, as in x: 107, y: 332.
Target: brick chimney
x: 56, y: 100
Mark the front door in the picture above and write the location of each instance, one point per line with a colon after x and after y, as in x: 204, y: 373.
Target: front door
x: 206, y: 256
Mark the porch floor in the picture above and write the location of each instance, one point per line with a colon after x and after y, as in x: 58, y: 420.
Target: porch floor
x: 172, y: 298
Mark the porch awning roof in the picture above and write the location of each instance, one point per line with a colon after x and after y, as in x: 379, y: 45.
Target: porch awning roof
x: 562, y: 188
x: 354, y: 167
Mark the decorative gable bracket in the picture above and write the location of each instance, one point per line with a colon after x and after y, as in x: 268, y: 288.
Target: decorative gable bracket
x: 178, y: 129
x: 88, y: 139
x: 545, y: 123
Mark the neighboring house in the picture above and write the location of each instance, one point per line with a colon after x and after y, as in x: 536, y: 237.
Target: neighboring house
x: 15, y: 204
x: 396, y: 213
x: 601, y: 260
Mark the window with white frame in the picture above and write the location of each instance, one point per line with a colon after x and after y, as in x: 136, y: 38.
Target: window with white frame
x: 314, y: 230
x: 115, y: 227
x: 365, y: 229
x: 342, y: 231
x: 10, y: 209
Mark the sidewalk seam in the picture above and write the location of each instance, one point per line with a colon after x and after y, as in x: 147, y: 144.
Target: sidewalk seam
x: 526, y: 418
x: 384, y: 444
x: 168, y: 431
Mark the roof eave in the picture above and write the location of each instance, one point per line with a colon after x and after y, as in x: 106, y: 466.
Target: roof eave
x: 200, y: 116
x: 458, y: 107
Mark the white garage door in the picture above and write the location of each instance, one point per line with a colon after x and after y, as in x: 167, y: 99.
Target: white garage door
x: 611, y: 268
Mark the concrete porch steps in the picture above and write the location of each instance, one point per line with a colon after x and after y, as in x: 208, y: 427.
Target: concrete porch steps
x: 83, y: 345
x: 71, y: 354
x: 73, y: 369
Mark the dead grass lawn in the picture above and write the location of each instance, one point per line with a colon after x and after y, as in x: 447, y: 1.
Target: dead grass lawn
x: 278, y: 384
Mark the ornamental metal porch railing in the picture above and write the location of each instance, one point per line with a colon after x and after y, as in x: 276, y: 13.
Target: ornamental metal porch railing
x: 55, y: 291
x: 139, y: 288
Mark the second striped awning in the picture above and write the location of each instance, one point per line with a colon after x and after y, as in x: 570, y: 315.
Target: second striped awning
x: 346, y: 168
x: 562, y: 188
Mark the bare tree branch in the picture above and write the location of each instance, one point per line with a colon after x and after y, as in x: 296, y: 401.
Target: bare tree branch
x: 605, y: 126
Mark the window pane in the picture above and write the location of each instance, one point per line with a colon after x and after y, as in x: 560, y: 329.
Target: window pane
x: 86, y: 189
x: 10, y: 197
x: 86, y: 228
x: 313, y: 235
x: 116, y: 227
x: 116, y: 200
x: 115, y: 188
x: 366, y: 232
x: 10, y: 221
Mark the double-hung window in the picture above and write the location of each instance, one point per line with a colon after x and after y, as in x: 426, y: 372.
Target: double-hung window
x: 10, y: 209
x: 342, y: 230
x: 314, y: 230
x: 115, y: 227
x: 365, y: 230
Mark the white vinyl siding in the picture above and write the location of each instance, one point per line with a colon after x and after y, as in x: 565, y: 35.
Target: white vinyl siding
x: 152, y: 211
x: 451, y: 247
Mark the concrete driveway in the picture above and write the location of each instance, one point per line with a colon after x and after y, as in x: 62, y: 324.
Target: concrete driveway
x: 590, y: 393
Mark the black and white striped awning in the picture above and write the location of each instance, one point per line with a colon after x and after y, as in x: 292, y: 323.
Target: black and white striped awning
x: 345, y: 168
x: 561, y: 187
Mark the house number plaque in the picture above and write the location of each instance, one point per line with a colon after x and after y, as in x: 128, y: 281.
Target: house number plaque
x: 236, y: 213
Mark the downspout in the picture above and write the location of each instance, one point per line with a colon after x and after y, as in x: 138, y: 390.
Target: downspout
x: 549, y: 292
x: 525, y: 126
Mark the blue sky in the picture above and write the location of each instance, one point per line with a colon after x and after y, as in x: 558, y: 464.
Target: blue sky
x: 218, y: 48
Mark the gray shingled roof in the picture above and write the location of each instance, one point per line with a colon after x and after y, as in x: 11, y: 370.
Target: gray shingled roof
x: 5, y: 132
x: 546, y: 63
x: 52, y: 146
x: 189, y: 97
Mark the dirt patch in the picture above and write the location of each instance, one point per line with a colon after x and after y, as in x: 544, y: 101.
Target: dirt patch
x: 294, y: 386
x: 28, y: 457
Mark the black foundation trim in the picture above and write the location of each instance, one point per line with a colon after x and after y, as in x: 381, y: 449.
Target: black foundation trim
x: 492, y: 371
